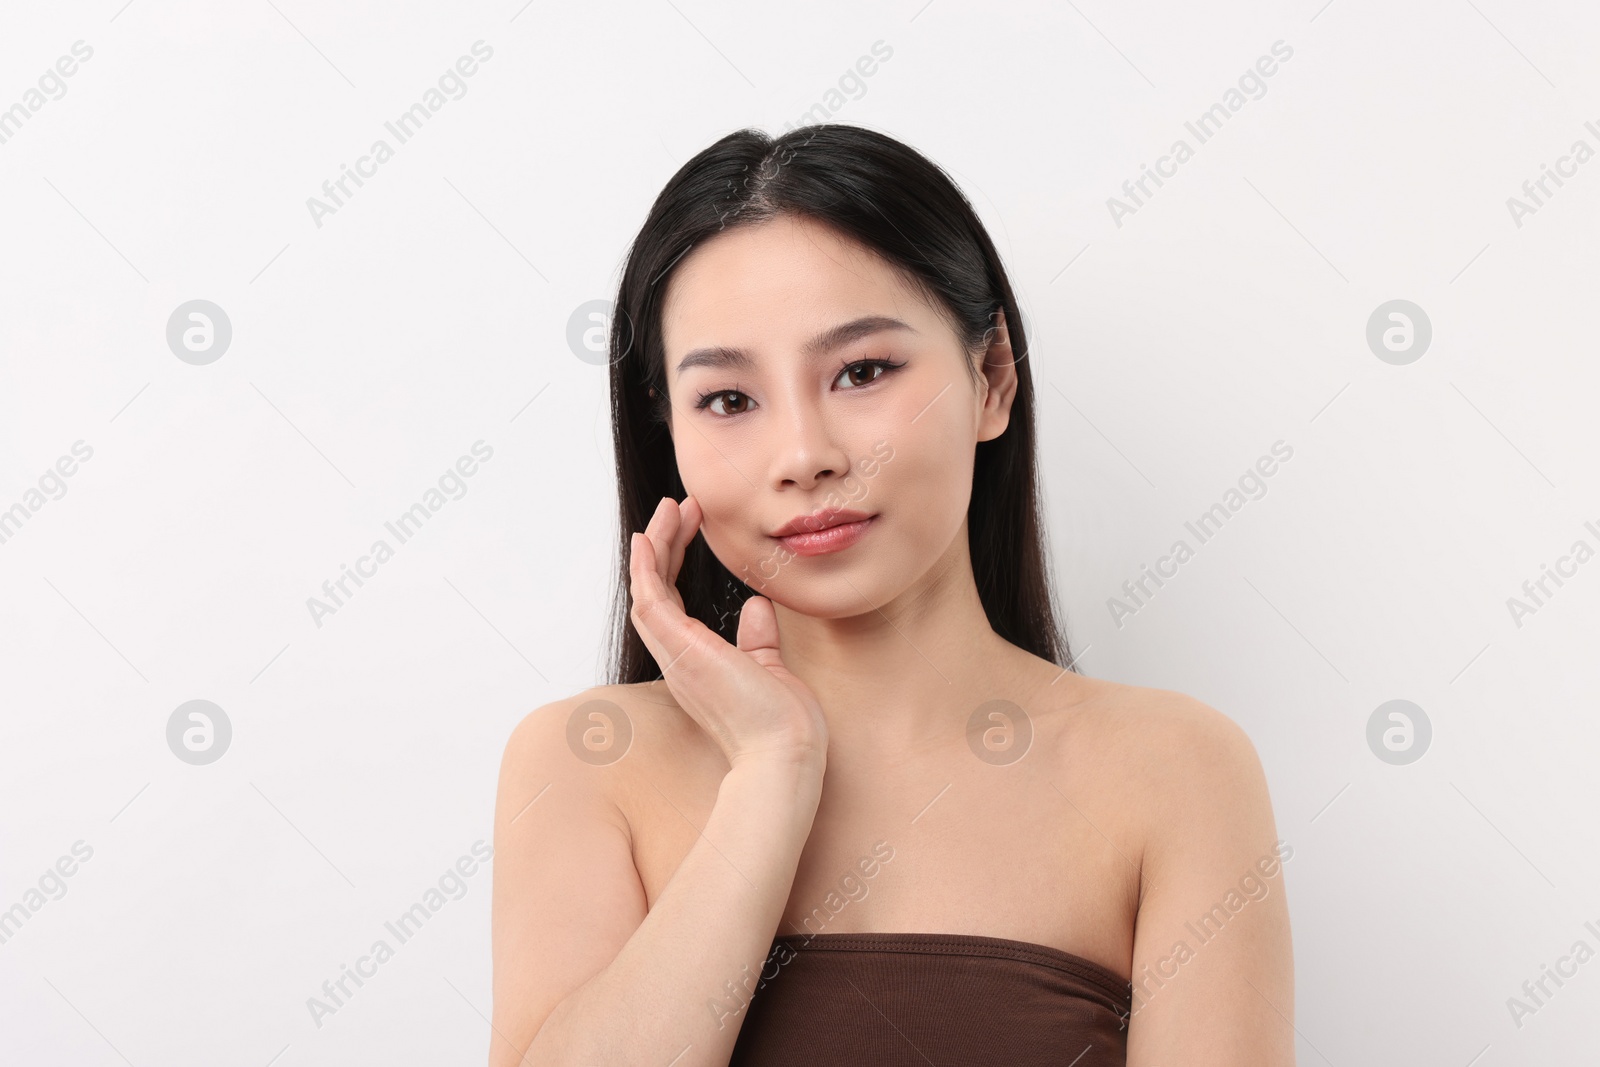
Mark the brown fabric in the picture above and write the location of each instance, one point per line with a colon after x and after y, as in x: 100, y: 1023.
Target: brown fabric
x: 890, y: 999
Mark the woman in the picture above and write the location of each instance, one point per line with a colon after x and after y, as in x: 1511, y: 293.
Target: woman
x: 844, y: 803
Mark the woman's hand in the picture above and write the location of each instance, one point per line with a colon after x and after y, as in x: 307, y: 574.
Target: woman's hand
x: 743, y: 697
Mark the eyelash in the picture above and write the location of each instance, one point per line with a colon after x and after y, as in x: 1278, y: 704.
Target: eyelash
x: 704, y: 400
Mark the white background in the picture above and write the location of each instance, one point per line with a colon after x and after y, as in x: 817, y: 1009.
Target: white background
x: 431, y: 310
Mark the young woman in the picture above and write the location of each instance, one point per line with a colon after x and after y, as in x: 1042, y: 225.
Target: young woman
x: 847, y: 801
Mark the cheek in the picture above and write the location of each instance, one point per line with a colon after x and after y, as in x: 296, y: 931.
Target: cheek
x: 725, y: 500
x: 930, y: 476
x: 936, y: 447
x: 704, y: 472
x: 936, y: 482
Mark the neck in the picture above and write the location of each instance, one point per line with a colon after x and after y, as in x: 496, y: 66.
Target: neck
x: 906, y: 675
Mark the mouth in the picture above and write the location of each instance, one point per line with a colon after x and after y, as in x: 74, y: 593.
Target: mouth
x: 829, y: 530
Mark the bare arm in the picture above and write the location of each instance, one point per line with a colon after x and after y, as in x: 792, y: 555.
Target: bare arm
x: 581, y: 973
x: 1213, y: 970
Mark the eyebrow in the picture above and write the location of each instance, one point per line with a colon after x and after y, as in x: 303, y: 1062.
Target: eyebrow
x: 718, y: 356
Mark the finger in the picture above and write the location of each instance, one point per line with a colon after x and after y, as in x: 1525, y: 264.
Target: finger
x: 657, y: 613
x: 660, y: 530
x: 644, y: 581
x: 689, y: 516
x: 758, y: 631
x: 677, y: 641
x: 652, y: 623
x: 644, y: 568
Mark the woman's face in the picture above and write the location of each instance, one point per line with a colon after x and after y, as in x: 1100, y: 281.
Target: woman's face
x: 779, y: 411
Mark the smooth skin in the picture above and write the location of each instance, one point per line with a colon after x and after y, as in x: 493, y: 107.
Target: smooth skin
x: 633, y: 899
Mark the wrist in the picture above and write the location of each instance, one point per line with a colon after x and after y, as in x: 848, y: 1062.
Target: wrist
x: 797, y: 774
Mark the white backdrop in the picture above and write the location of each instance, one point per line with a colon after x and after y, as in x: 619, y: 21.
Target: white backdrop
x: 374, y: 341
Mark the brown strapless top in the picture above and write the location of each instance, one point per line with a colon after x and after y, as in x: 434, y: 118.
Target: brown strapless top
x: 891, y: 999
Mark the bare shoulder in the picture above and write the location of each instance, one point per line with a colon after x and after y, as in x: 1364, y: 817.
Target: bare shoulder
x: 567, y: 890
x: 1208, y: 856
x: 601, y: 740
x: 1163, y: 736
x: 1177, y: 767
x: 597, y: 727
x: 1195, y: 780
x: 542, y: 751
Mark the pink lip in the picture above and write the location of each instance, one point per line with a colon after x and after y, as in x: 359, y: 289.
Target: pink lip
x: 819, y: 520
x: 833, y: 539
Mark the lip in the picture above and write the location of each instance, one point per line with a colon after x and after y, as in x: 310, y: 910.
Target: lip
x: 823, y: 531
x: 818, y: 521
x: 835, y: 538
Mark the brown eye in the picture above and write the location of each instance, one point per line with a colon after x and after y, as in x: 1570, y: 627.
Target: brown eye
x: 863, y: 373
x: 712, y: 399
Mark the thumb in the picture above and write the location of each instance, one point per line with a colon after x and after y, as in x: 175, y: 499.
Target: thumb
x: 758, y: 631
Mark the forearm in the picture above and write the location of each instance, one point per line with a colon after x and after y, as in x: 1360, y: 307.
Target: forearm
x: 667, y: 990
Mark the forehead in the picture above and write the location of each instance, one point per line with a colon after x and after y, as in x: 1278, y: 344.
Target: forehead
x: 781, y: 277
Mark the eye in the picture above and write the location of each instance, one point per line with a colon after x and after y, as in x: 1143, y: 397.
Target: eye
x: 882, y: 365
x: 707, y: 399
x: 851, y: 371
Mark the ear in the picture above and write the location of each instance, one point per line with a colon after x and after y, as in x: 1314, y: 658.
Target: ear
x: 1000, y: 376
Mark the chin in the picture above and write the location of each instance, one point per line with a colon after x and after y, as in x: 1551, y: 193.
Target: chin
x: 827, y: 596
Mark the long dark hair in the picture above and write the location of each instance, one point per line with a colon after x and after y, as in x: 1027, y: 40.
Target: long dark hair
x: 898, y: 203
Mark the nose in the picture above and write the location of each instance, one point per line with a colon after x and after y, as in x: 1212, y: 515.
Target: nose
x: 807, y: 449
